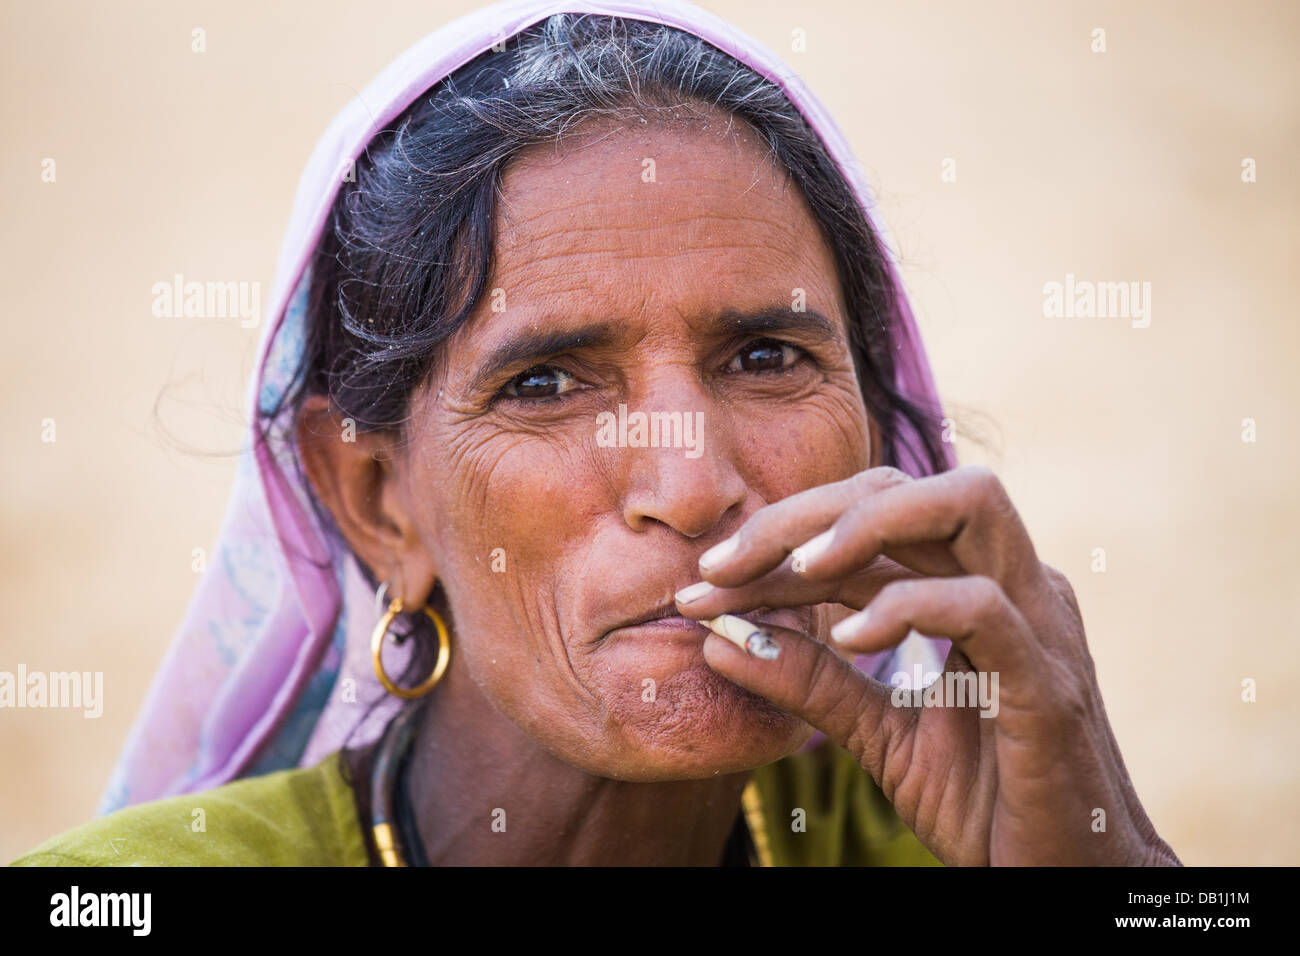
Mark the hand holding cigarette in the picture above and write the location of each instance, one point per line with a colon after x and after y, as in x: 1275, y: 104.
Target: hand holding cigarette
x: 946, y: 555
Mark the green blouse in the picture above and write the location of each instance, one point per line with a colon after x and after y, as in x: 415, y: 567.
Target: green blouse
x: 307, y: 817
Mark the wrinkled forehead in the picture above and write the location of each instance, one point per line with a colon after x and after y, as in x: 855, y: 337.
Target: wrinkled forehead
x: 655, y: 172
x: 646, y: 224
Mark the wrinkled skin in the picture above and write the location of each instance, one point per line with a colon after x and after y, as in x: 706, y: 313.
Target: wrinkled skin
x: 605, y: 743
x: 1035, y: 779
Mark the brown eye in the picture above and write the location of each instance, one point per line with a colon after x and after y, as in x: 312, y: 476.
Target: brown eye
x: 542, y: 381
x: 764, y: 355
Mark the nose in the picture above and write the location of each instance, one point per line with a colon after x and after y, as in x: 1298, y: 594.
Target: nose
x: 691, y: 485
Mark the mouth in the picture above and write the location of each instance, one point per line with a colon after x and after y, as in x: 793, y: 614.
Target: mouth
x: 665, y: 621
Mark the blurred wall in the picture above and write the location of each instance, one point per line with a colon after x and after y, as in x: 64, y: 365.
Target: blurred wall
x: 1123, y: 165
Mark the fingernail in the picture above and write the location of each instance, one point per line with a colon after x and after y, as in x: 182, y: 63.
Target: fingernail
x: 761, y: 645
x: 693, y: 593
x: 808, y: 552
x: 850, y: 627
x: 718, y: 554
x: 748, y: 637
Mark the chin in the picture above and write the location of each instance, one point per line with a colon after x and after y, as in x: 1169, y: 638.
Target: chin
x: 699, y: 725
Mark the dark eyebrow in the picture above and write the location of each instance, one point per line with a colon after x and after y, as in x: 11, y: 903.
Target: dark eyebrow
x: 535, y: 345
x: 778, y: 319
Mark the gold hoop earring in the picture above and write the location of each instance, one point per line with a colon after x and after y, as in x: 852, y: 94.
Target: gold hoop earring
x: 377, y: 646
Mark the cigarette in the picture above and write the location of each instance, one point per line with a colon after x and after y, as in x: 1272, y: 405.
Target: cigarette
x: 747, y: 636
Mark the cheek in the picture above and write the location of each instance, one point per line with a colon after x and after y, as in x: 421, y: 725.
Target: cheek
x: 532, y: 501
x: 786, y: 449
x: 507, y: 495
x: 506, y: 532
x: 506, y: 526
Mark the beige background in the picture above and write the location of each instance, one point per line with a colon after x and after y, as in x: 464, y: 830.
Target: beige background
x: 1121, y: 166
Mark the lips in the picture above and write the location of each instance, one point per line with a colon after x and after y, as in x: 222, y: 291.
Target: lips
x: 667, y: 618
x: 664, y: 612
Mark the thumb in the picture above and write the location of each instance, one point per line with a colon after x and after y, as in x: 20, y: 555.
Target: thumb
x: 808, y: 679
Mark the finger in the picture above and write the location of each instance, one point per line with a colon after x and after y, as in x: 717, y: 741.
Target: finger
x: 809, y: 680
x: 966, y: 510
x: 783, y: 587
x: 973, y: 612
x: 770, y: 533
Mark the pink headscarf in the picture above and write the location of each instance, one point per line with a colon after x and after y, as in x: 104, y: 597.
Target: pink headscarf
x: 270, y: 667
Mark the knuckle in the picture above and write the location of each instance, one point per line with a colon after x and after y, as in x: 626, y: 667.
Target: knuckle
x: 868, y: 743
x: 1069, y: 705
x: 1061, y: 584
x: 863, y: 480
x: 827, y: 692
x: 985, y: 604
x: 970, y: 474
x: 858, y: 513
x: 891, y: 475
x: 875, y: 479
x: 1063, y: 696
x: 1060, y: 587
x: 981, y: 483
x: 987, y: 596
x: 989, y: 487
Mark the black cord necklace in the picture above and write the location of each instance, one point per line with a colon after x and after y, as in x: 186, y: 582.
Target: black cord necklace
x: 393, y: 815
x: 392, y: 821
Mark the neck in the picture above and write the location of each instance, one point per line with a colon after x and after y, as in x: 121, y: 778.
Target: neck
x: 485, y: 793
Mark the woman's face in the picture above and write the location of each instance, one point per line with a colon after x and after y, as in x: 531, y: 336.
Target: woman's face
x: 667, y: 269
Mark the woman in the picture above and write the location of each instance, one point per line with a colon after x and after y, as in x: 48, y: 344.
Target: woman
x: 582, y: 336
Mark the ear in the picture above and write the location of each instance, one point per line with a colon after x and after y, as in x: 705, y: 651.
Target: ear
x: 355, y: 476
